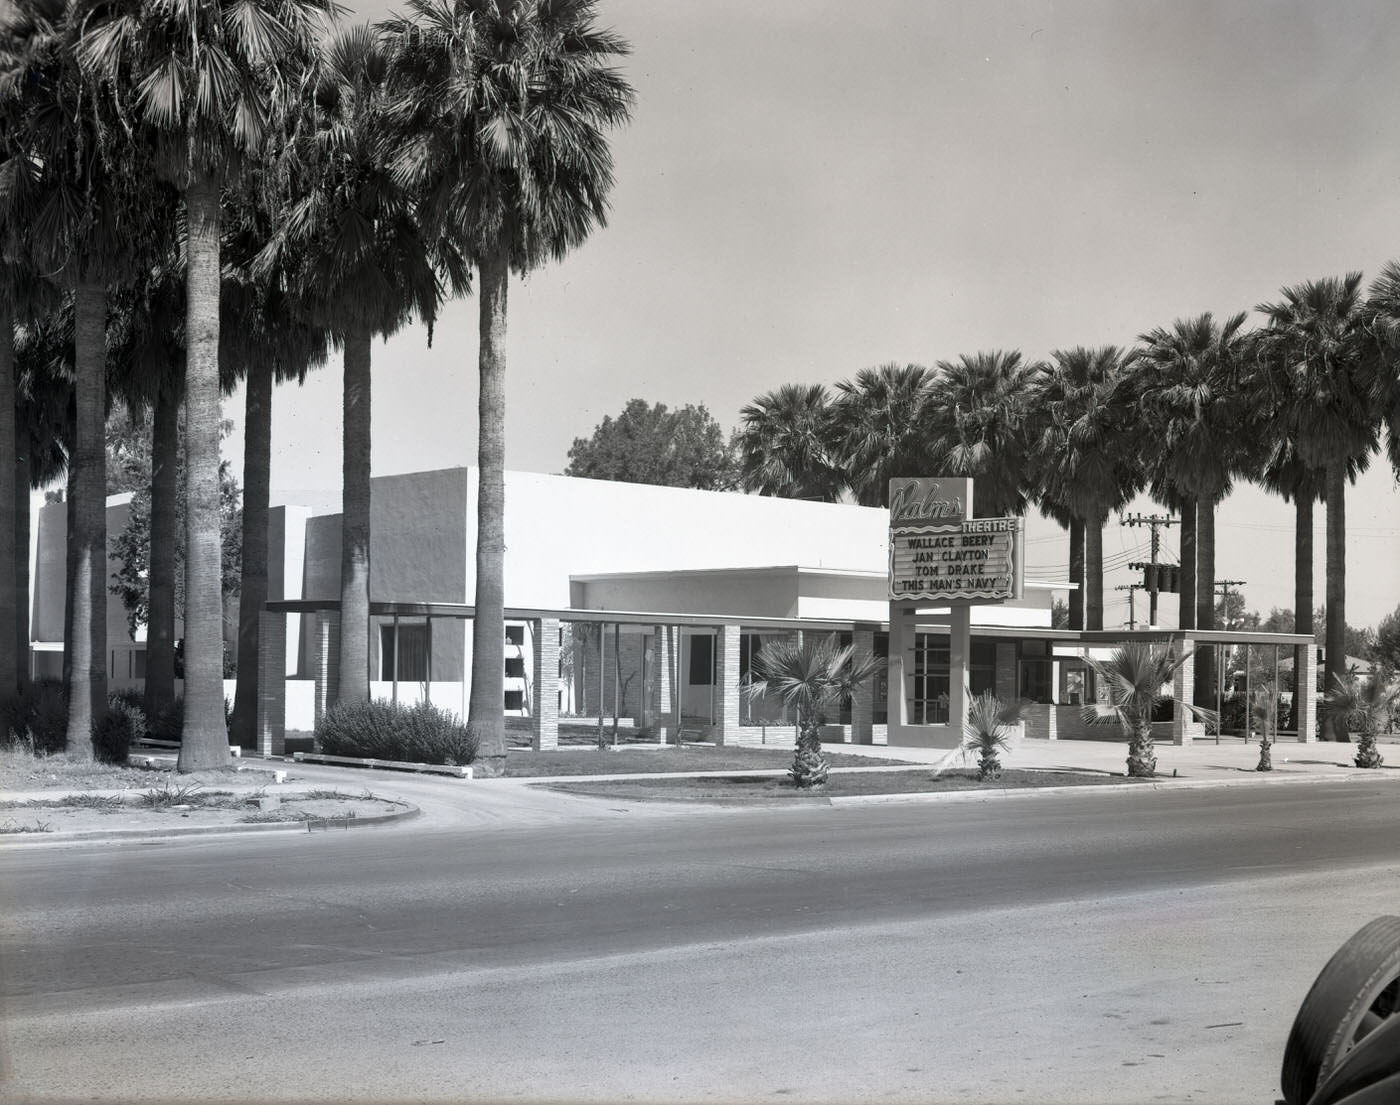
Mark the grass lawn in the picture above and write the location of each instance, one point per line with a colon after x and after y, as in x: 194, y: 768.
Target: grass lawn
x: 633, y: 761
x: 740, y: 788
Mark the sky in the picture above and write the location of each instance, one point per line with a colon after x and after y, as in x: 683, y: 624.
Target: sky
x: 809, y: 188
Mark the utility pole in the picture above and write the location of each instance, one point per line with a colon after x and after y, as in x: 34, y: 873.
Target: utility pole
x: 1132, y: 589
x: 1156, y: 521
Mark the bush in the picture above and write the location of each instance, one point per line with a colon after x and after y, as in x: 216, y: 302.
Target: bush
x: 114, y: 733
x: 38, y: 717
x: 167, y: 724
x: 382, y: 730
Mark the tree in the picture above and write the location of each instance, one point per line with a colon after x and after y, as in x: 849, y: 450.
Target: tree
x: 811, y: 677
x: 1080, y: 430
x: 359, y: 263
x: 652, y: 445
x: 509, y: 102
x: 787, y: 445
x: 81, y: 204
x: 1363, y: 704
x: 1312, y: 356
x: 878, y: 429
x: 975, y: 419
x: 1386, y: 647
x: 987, y: 731
x: 204, y: 87
x: 1383, y: 353
x: 132, y: 547
x: 1134, y: 675
x: 1193, y: 404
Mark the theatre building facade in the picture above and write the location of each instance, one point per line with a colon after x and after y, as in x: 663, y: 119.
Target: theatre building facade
x: 647, y: 605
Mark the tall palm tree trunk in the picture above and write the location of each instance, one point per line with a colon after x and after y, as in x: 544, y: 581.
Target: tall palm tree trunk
x: 1205, y: 600
x: 87, y: 520
x: 23, y: 482
x: 355, y: 522
x: 1302, y: 591
x: 1076, y: 573
x: 257, y: 463
x: 205, y: 740
x: 160, y: 601
x: 1187, y: 609
x: 1336, y: 665
x: 1093, y: 572
x: 9, y: 504
x: 485, y: 710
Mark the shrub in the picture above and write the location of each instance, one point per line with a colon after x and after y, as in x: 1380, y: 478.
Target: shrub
x: 169, y: 723
x: 114, y: 733
x: 38, y: 717
x: 383, y: 730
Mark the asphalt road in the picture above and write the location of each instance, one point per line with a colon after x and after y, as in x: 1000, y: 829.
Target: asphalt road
x: 1079, y: 947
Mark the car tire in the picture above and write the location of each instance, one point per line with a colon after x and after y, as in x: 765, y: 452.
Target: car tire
x: 1361, y: 982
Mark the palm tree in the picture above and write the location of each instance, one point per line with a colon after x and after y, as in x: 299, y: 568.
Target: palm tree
x: 878, y: 429
x: 1134, y: 675
x: 205, y: 87
x: 975, y: 422
x: 988, y: 730
x: 1383, y: 325
x: 788, y: 447
x: 1312, y: 353
x: 1365, y: 704
x: 508, y: 102
x: 85, y: 224
x: 1188, y: 381
x: 360, y: 265
x: 812, y: 677
x: 1082, y: 426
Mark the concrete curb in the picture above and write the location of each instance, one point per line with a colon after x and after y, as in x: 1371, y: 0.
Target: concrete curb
x: 30, y: 840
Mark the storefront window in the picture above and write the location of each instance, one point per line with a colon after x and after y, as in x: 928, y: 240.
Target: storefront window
x: 929, y: 684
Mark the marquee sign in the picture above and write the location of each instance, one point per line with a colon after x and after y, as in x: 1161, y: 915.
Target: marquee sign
x: 939, y: 554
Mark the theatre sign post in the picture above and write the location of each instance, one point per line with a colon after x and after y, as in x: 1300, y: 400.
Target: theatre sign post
x: 942, y: 563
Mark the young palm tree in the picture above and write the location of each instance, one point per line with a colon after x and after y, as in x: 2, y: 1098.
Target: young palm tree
x: 1263, y: 712
x: 358, y: 263
x: 1082, y: 429
x: 1312, y: 353
x: 975, y: 421
x: 1188, y: 381
x: 988, y: 730
x: 204, y: 86
x: 811, y: 678
x: 1134, y: 675
x: 788, y: 445
x: 1364, y: 704
x: 507, y: 105
x: 878, y: 433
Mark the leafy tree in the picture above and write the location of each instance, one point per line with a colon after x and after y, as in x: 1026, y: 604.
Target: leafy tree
x: 1313, y: 357
x: 653, y: 445
x: 878, y: 429
x: 811, y: 677
x: 1386, y: 647
x: 132, y: 547
x: 787, y: 445
x: 204, y: 87
x: 505, y: 109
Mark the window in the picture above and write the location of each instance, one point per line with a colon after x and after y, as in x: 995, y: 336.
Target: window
x: 515, y: 635
x: 929, y: 683
x: 412, y: 653
x: 982, y: 667
x: 515, y: 700
x: 882, y: 681
x: 515, y: 667
x: 702, y: 660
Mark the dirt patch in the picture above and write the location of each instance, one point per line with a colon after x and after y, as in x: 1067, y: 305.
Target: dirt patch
x: 91, y: 813
x: 524, y: 764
